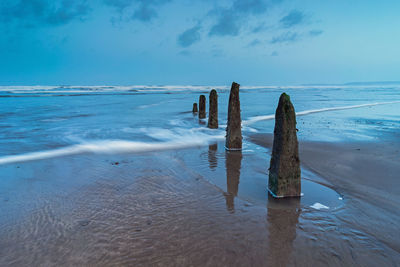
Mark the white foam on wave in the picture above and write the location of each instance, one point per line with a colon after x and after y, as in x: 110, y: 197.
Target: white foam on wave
x: 169, y: 88
x: 105, y: 88
x: 178, y: 88
x: 149, y: 105
x: 257, y: 119
x: 177, y: 122
x: 183, y: 134
x: 178, y: 139
x: 54, y: 120
x: 249, y: 129
x: 307, y: 112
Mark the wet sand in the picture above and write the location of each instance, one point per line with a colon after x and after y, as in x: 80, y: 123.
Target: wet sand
x: 367, y: 174
x: 155, y: 210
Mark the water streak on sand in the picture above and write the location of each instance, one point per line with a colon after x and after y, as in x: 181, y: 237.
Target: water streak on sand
x: 112, y: 147
x: 307, y: 112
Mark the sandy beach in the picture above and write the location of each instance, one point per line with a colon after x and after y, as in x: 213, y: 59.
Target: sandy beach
x: 154, y: 210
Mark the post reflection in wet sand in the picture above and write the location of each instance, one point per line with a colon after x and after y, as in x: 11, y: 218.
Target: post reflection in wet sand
x: 212, y: 157
x: 282, y: 219
x: 233, y: 165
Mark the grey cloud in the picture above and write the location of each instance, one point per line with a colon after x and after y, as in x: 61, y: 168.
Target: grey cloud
x: 250, y: 6
x: 294, y: 18
x: 189, y: 37
x: 42, y: 12
x: 144, y: 13
x: 255, y: 42
x: 184, y: 53
x: 287, y: 37
x: 259, y: 28
x: 229, y: 21
x: 291, y: 37
x: 227, y: 25
x: 216, y: 52
x: 143, y: 10
x: 314, y: 33
x: 119, y: 4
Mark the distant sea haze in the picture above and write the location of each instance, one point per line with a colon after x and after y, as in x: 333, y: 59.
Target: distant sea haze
x: 9, y: 89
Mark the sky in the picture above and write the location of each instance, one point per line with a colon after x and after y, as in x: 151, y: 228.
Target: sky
x: 198, y: 42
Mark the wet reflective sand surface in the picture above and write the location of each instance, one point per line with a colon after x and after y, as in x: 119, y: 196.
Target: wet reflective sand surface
x: 193, y: 207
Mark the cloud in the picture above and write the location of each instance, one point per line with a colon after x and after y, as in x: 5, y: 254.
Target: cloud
x: 144, y: 13
x: 291, y: 37
x: 287, y: 37
x: 260, y: 28
x: 227, y: 25
x: 315, y: 33
x: 119, y: 4
x: 255, y: 42
x: 294, y: 18
x: 216, y: 52
x: 184, y: 53
x: 142, y: 10
x: 250, y: 6
x: 35, y: 13
x: 274, y: 54
x: 229, y: 21
x: 189, y: 37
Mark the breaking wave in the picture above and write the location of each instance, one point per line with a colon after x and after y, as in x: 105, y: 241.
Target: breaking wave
x: 79, y: 89
x: 307, y: 112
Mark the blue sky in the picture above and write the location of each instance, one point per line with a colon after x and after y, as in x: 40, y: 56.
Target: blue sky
x: 254, y: 42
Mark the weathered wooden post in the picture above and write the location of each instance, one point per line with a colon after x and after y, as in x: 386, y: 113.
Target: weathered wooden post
x: 213, y: 110
x: 284, y: 171
x: 202, y: 107
x: 234, y: 126
x: 194, y: 110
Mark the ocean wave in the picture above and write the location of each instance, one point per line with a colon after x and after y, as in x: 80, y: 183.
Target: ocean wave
x: 37, y: 89
x: 105, y: 89
x: 175, y: 139
x: 307, y: 112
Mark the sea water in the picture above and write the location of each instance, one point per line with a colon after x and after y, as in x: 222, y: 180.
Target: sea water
x: 39, y: 118
x: 44, y: 122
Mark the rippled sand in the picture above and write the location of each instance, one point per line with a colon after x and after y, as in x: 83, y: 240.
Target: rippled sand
x: 158, y: 210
